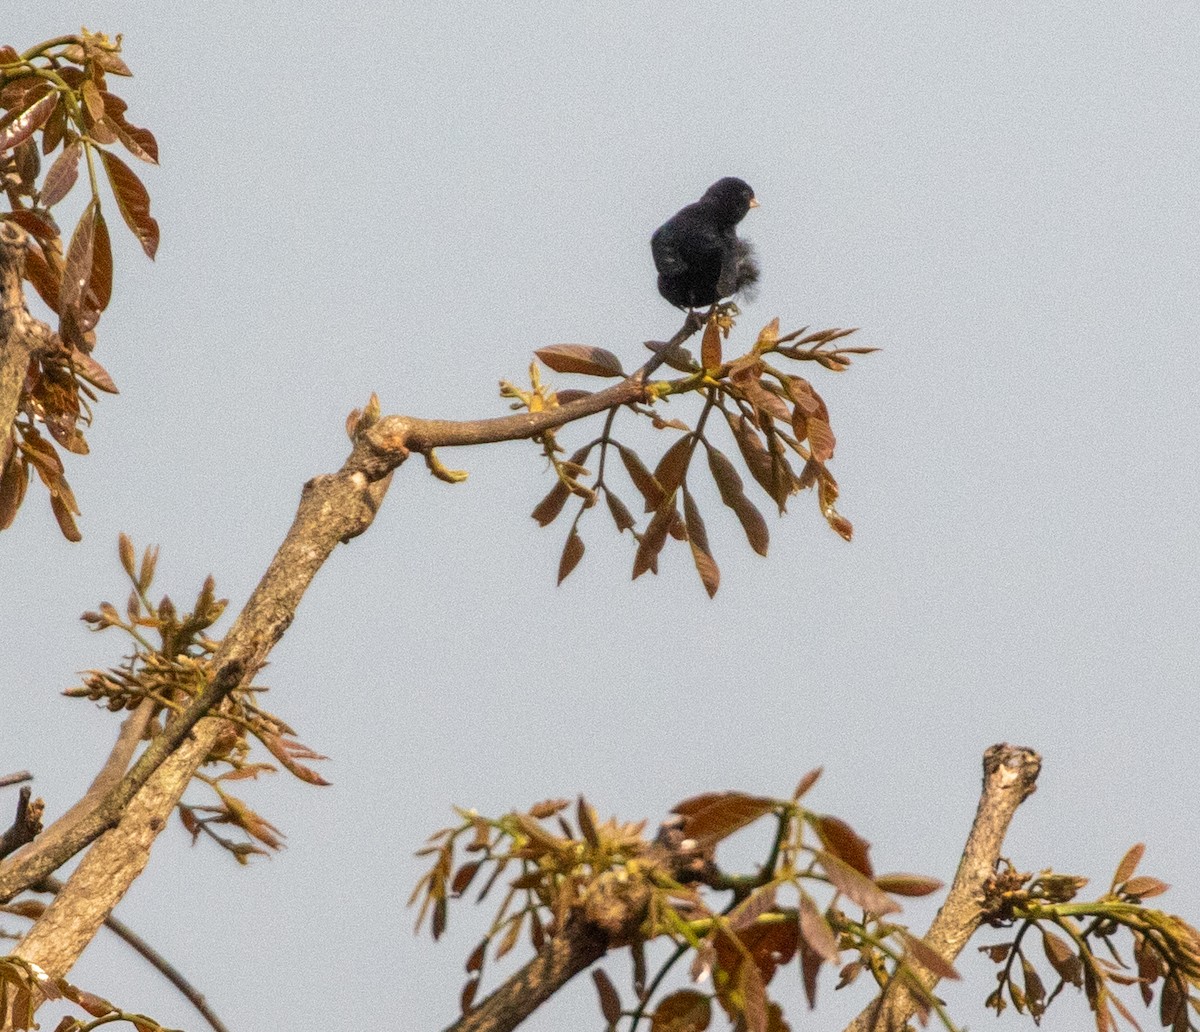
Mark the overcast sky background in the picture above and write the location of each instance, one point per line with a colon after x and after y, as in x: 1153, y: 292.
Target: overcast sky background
x: 410, y: 199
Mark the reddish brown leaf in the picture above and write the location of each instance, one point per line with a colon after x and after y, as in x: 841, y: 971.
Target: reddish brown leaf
x: 138, y: 141
x: 610, y: 1000
x: 100, y: 282
x: 133, y: 200
x: 61, y: 175
x: 93, y: 372
x: 1129, y: 863
x: 66, y: 521
x: 14, y: 479
x: 19, y: 126
x: 729, y: 484
x: 580, y: 358
x: 39, y: 224
x: 805, y: 398
x: 22, y: 91
x: 548, y: 808
x: 438, y: 924
x: 95, y: 1005
x: 642, y: 478
x: 467, y: 997
x: 78, y: 269
x: 45, y: 277
x: 55, y: 129
x: 908, y: 884
x: 93, y: 100
x: 568, y: 395
x: 286, y: 751
x: 654, y: 537
x: 765, y: 401
x: 1062, y: 957
x: 754, y: 453
x: 1144, y: 887
x: 464, y: 876
x: 843, y: 842
x: 810, y: 968
x: 621, y: 515
x: 817, y: 933
x: 585, y: 816
x: 820, y: 439
x: 110, y: 62
x: 706, y: 565
x: 672, y: 467
x: 722, y: 814
x: 760, y: 901
x: 571, y: 554
x: 547, y: 510
x: 684, y: 1010
x: 853, y: 884
x: 929, y: 958
x: 754, y: 997
x: 710, y: 348
x: 805, y: 783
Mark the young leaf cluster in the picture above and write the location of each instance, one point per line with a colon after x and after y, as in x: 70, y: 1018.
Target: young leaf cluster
x: 170, y: 664
x: 815, y: 901
x: 778, y: 423
x: 24, y: 987
x: 57, y: 98
x: 1079, y: 943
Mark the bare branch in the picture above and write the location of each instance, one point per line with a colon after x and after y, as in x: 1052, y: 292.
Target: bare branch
x: 15, y: 778
x: 1009, y: 778
x: 25, y: 825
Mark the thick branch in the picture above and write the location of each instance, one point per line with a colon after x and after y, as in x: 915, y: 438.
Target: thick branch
x: 563, y: 957
x: 1009, y: 778
x: 81, y: 906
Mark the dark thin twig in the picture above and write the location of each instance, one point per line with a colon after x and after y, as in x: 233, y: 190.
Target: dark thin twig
x: 25, y: 826
x: 156, y: 960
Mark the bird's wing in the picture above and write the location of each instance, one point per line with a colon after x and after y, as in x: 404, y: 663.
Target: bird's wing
x: 681, y: 236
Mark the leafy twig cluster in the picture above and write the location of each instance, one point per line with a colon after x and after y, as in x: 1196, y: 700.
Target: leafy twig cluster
x: 24, y: 987
x: 773, y: 416
x: 57, y: 97
x: 169, y: 666
x: 1165, y: 948
x: 815, y: 901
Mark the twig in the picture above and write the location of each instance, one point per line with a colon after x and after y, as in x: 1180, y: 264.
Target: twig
x: 1009, y: 777
x: 15, y: 778
x: 164, y: 967
x: 25, y: 825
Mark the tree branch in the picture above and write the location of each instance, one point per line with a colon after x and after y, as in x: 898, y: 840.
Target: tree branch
x: 21, y: 335
x: 1009, y: 778
x: 25, y: 825
x: 132, y: 729
x: 561, y: 959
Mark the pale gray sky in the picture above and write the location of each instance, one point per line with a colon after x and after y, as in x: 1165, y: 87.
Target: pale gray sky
x: 409, y: 199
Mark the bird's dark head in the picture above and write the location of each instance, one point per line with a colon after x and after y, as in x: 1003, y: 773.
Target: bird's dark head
x: 731, y: 197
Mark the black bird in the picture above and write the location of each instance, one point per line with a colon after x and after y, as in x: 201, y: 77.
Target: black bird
x: 697, y: 253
